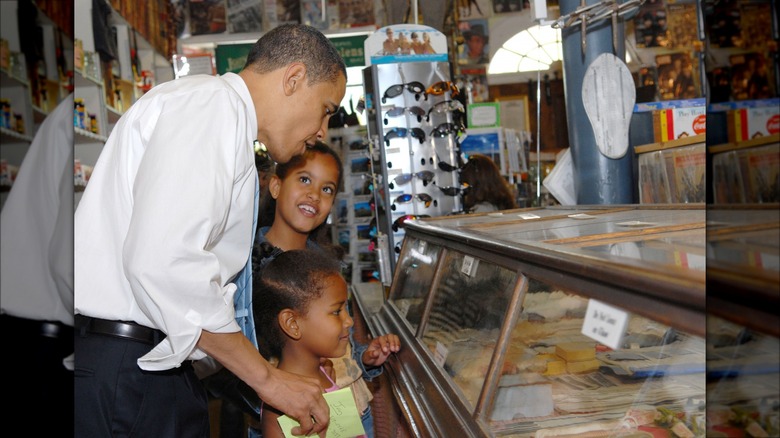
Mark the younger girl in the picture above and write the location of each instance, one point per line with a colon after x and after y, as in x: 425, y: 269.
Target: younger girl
x: 304, y: 319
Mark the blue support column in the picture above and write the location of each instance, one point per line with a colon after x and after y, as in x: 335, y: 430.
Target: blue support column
x: 598, y: 179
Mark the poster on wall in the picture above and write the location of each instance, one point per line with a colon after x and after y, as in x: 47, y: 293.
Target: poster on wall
x: 750, y: 77
x: 677, y: 77
x: 503, y: 6
x: 469, y: 9
x: 207, y: 17
x: 311, y: 14
x: 680, y: 33
x: 356, y: 13
x: 474, y: 81
x: 724, y: 24
x: 244, y: 17
x: 755, y: 19
x: 650, y: 24
x: 476, y: 37
x: 282, y: 11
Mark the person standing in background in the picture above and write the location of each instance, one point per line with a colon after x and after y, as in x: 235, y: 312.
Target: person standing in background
x: 164, y: 230
x: 36, y: 276
x: 487, y: 189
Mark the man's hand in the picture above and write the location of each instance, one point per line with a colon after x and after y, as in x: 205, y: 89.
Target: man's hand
x: 297, y: 396
x: 380, y: 348
x: 300, y: 398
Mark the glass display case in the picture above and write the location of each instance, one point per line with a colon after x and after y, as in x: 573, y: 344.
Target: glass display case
x: 491, y: 310
x: 743, y: 325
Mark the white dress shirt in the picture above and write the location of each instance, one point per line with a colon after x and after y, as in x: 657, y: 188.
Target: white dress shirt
x: 36, y: 226
x: 165, y: 222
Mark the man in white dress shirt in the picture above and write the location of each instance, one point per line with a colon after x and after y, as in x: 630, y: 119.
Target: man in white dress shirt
x: 164, y: 227
x: 36, y: 274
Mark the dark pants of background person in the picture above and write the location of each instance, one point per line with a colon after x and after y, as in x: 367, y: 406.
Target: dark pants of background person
x: 39, y: 396
x: 116, y: 398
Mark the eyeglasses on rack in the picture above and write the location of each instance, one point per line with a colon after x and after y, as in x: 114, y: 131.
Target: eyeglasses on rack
x: 425, y: 175
x: 442, y: 87
x: 454, y: 191
x: 406, y: 197
x: 399, y: 132
x: 399, y: 223
x: 399, y: 111
x: 446, y: 106
x: 396, y: 90
x: 445, y: 166
x: 447, y: 128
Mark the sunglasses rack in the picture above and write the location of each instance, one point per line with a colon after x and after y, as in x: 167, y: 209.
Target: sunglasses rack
x: 416, y: 120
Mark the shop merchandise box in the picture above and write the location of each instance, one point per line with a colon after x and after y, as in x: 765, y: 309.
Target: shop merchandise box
x: 673, y: 175
x: 761, y: 167
x: 676, y: 123
x: 749, y: 123
x: 727, y: 182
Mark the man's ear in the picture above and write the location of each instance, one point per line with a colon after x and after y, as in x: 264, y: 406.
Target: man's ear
x: 289, y: 324
x: 294, y: 77
x: 274, y: 186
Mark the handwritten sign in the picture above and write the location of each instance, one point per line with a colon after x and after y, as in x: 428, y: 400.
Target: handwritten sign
x: 605, y: 324
x: 344, y: 417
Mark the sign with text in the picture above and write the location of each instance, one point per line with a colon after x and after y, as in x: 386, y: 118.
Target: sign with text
x: 605, y: 324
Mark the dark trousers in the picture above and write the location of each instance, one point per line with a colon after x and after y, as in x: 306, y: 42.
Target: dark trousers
x: 40, y: 387
x: 116, y: 398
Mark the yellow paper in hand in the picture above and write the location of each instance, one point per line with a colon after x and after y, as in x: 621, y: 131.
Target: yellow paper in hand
x: 344, y: 416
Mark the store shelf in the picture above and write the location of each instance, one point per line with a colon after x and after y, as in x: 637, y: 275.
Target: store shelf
x: 753, y: 142
x: 39, y: 114
x: 8, y: 80
x: 86, y: 80
x: 10, y: 136
x: 113, y: 114
x: 84, y: 136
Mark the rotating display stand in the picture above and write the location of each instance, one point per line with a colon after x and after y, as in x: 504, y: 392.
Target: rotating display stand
x: 414, y: 122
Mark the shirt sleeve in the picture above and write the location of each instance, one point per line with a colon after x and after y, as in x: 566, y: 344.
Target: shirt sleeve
x: 189, y: 182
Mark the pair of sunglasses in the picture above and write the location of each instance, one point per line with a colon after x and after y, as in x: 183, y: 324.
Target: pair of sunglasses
x: 399, y: 223
x: 446, y: 129
x: 417, y: 133
x: 442, y: 87
x: 446, y: 106
x: 425, y: 175
x: 406, y: 197
x: 396, y: 90
x: 454, y: 191
x: 445, y: 166
x: 399, y: 111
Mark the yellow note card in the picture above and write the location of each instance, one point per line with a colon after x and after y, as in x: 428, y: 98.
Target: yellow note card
x: 344, y: 416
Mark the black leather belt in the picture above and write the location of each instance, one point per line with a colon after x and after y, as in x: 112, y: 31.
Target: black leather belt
x: 119, y: 329
x: 46, y: 329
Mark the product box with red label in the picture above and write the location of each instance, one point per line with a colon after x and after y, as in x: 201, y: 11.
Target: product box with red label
x: 674, y: 123
x: 747, y: 123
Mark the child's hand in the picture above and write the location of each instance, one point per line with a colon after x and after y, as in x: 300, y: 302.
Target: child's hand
x: 380, y: 348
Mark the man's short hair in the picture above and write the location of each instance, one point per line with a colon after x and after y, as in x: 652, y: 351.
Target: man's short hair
x: 289, y: 43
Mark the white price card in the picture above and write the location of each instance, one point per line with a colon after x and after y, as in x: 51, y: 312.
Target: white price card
x: 469, y: 265
x: 440, y: 353
x: 528, y: 216
x: 605, y: 324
